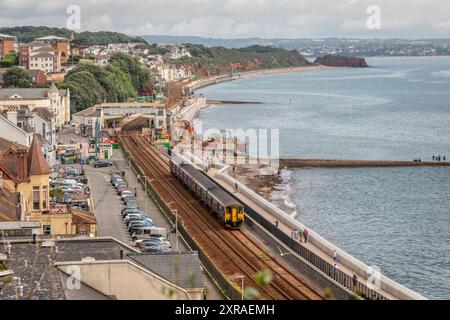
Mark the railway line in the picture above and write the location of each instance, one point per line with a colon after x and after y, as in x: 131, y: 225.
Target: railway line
x: 232, y: 252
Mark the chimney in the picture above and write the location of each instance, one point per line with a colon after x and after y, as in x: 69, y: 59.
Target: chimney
x: 11, y: 115
x: 22, y: 165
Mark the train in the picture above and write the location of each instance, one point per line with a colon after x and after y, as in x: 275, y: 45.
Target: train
x: 228, y: 210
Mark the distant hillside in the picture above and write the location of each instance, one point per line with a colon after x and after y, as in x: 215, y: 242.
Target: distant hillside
x: 331, y: 60
x: 29, y: 33
x: 220, y: 60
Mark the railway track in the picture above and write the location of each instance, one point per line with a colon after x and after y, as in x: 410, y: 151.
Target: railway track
x: 232, y: 252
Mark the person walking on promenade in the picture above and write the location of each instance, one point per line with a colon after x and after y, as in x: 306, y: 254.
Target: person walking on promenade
x: 355, y: 281
x: 334, y: 256
x: 236, y: 187
x: 276, y: 223
x: 135, y: 192
x: 305, y: 235
x: 433, y: 157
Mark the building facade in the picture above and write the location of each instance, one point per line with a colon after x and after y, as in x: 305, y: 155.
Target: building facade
x: 7, y: 44
x: 55, y: 100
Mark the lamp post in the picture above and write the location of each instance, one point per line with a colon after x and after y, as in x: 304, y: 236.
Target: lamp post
x: 176, y: 229
x: 238, y: 276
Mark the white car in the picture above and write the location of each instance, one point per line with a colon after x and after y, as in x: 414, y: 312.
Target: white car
x: 125, y: 193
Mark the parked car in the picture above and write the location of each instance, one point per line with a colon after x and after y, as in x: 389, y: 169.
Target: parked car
x: 125, y: 193
x: 114, y: 177
x: 133, y: 226
x: 157, y: 241
x: 146, y: 232
x: 140, y: 243
x: 126, y: 210
x: 117, y: 182
x: 128, y: 198
x: 102, y: 164
x: 156, y: 248
x: 72, y: 171
x: 131, y: 203
x: 138, y: 217
x: 121, y: 188
x: 67, y: 189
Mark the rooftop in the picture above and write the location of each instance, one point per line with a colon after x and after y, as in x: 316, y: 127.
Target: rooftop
x: 27, y: 93
x: 182, y: 269
x: 33, y: 262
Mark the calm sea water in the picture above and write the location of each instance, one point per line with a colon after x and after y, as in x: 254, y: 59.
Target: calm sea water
x: 397, y: 219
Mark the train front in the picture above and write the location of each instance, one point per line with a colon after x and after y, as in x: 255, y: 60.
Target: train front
x: 234, y: 216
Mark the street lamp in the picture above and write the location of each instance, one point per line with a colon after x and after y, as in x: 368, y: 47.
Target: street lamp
x: 176, y: 229
x: 238, y: 276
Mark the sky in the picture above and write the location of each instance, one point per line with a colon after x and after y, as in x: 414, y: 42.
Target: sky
x: 240, y: 18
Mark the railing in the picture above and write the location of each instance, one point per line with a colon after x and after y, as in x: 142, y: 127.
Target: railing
x: 319, y: 263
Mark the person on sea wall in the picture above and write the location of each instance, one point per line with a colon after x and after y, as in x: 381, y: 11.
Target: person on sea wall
x: 334, y: 256
x: 305, y: 235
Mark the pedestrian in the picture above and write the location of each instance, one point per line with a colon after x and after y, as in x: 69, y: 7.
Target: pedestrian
x: 443, y: 158
x: 305, y: 235
x: 334, y: 256
x: 236, y: 187
x: 293, y: 234
x: 433, y: 157
x: 355, y: 281
x: 276, y: 223
x: 135, y: 192
x: 296, y: 234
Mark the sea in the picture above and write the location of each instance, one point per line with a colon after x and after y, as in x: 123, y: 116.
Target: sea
x: 396, y: 219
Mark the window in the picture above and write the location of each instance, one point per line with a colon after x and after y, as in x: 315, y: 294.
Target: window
x: 36, y: 198
x: 44, y: 197
x: 47, y: 229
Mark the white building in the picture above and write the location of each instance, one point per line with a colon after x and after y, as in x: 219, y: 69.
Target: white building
x: 55, y: 100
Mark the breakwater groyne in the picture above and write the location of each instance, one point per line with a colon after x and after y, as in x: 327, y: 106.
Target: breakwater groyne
x: 324, y: 163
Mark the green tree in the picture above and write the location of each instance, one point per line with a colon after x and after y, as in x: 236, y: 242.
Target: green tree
x: 17, y: 77
x: 131, y: 66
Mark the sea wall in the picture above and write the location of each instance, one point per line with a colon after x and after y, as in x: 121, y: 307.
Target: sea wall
x: 387, y: 285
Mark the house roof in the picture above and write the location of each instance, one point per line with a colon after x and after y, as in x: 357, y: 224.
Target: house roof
x: 37, y: 164
x: 82, y: 217
x: 6, y: 145
x: 42, y: 55
x: 43, y: 49
x: 182, y: 269
x: 52, y: 287
x: 8, y: 205
x: 43, y: 113
x: 33, y: 43
x: 27, y: 93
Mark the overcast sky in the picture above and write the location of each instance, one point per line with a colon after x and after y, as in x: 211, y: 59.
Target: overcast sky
x: 239, y: 18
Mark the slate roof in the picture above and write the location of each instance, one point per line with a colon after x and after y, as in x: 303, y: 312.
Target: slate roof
x: 27, y: 93
x: 39, y: 264
x: 182, y: 269
x: 43, y: 113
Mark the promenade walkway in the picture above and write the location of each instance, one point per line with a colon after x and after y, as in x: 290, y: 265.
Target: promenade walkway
x: 287, y: 230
